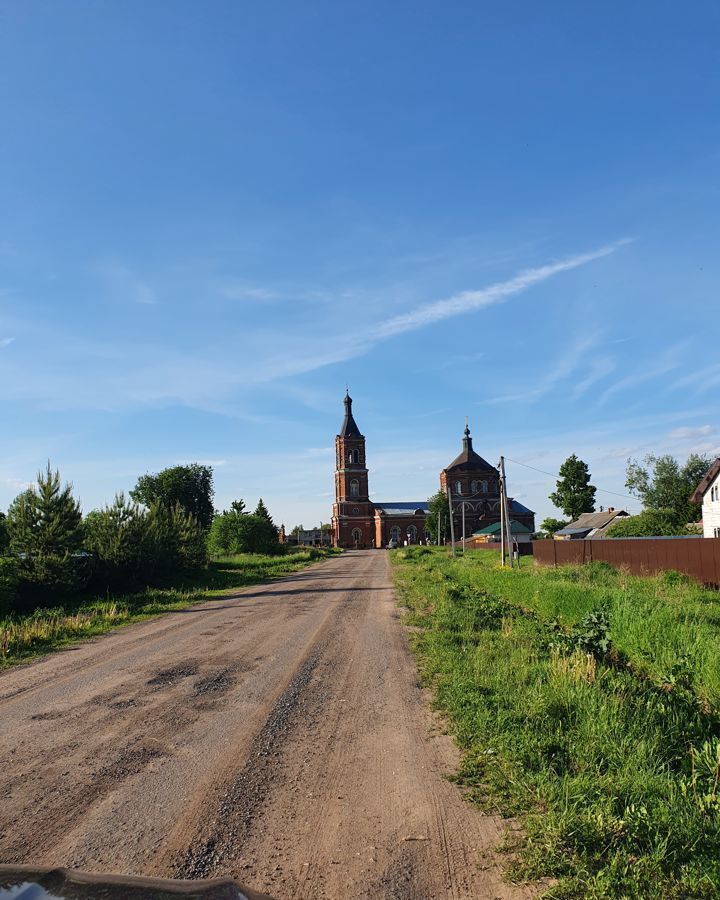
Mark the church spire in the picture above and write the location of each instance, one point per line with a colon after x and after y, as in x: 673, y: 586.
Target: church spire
x: 349, y: 426
x: 467, y: 440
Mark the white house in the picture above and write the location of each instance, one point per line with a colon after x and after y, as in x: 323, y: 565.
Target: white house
x: 708, y: 493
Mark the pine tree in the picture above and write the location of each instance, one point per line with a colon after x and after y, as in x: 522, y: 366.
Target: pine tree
x: 238, y: 506
x: 573, y: 493
x: 45, y: 529
x: 262, y: 511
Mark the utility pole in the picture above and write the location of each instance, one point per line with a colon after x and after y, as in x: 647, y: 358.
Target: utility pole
x: 438, y: 536
x: 505, y: 517
x: 463, y: 526
x: 452, y: 524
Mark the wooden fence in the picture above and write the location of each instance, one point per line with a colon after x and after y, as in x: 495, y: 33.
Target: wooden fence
x: 697, y: 557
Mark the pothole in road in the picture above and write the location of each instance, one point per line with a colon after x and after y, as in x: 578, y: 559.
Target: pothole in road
x: 173, y: 675
x: 216, y: 683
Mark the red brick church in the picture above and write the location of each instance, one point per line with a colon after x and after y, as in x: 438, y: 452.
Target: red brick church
x: 358, y: 522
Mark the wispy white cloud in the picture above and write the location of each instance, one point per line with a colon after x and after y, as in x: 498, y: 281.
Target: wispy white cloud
x: 560, y: 370
x: 469, y: 301
x: 688, y: 432
x: 670, y: 362
x: 598, y: 369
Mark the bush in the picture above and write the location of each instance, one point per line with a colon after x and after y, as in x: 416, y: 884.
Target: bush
x: 233, y: 532
x: 133, y: 546
x: 649, y: 523
x: 9, y: 581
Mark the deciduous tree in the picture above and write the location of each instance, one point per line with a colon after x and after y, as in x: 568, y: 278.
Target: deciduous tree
x: 662, y: 483
x: 573, y: 492
x: 191, y: 486
x: 438, y: 504
x: 550, y: 525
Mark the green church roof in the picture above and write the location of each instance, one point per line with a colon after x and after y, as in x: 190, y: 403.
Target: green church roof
x: 515, y: 528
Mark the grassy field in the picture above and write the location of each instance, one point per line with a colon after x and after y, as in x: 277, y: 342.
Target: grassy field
x: 588, y: 704
x: 26, y: 636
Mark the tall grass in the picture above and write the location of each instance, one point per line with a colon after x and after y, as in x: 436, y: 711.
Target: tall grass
x: 43, y: 630
x: 613, y: 773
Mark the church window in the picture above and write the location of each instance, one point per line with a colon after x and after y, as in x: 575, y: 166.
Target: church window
x: 473, y: 487
x: 395, y: 533
x: 354, y: 457
x: 458, y: 487
x: 357, y: 535
x: 484, y: 486
x: 354, y: 488
x: 412, y: 534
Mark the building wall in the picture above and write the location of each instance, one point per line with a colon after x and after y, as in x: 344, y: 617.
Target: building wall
x: 711, y: 510
x: 384, y: 525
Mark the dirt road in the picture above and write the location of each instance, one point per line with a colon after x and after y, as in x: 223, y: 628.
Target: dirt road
x: 279, y: 736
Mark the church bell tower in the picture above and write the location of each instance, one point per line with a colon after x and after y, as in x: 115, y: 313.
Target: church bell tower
x: 352, y: 519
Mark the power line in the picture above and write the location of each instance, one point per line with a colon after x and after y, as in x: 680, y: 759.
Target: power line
x: 555, y: 475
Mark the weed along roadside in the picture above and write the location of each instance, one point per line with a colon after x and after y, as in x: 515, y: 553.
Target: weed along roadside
x: 23, y: 637
x: 587, y: 705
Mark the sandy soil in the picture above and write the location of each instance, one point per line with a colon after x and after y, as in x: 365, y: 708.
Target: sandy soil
x: 279, y: 736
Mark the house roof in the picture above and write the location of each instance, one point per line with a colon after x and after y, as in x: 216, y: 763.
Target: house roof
x: 592, y: 521
x: 349, y: 426
x: 703, y: 487
x: 517, y: 507
x: 401, y: 508
x: 468, y: 459
x: 515, y: 528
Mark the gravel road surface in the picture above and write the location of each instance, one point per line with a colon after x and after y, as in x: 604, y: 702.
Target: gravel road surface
x: 278, y: 735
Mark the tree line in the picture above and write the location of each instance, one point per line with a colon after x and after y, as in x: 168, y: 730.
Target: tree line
x: 168, y: 525
x: 661, y: 483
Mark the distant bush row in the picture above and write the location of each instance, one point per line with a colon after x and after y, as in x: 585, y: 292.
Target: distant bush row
x: 49, y: 552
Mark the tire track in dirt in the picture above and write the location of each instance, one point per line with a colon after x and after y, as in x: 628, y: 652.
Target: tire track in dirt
x: 279, y: 736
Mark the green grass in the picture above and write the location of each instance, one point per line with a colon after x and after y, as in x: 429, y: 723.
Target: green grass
x: 23, y: 637
x: 611, y: 760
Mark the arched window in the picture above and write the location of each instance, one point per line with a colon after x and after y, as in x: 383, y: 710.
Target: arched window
x: 356, y: 535
x: 484, y: 486
x: 354, y: 488
x: 354, y: 457
x: 412, y: 534
x: 473, y: 487
x: 458, y: 487
x: 395, y: 533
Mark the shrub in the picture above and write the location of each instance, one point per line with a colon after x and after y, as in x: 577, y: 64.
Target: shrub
x: 649, y: 523
x: 233, y: 532
x: 9, y: 581
x: 134, y: 546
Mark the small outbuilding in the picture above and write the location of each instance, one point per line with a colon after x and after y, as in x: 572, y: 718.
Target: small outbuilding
x: 590, y: 525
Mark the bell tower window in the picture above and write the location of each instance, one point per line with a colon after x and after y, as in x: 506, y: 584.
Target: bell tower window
x: 354, y: 488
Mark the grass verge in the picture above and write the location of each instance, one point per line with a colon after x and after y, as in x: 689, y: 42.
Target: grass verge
x: 586, y: 704
x: 23, y: 637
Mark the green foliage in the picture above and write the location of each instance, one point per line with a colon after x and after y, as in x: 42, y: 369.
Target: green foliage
x: 607, y: 750
x: 662, y: 483
x: 573, y: 492
x: 45, y: 529
x: 648, y: 523
x: 191, y: 486
x: 438, y: 504
x: 9, y: 583
x: 262, y: 511
x: 4, y: 536
x: 238, y: 506
x: 231, y: 533
x: 135, y: 546
x: 550, y: 525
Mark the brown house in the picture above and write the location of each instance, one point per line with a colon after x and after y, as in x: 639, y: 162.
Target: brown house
x: 357, y: 521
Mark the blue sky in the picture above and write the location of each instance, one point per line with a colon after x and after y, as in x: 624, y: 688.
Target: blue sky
x: 214, y: 216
